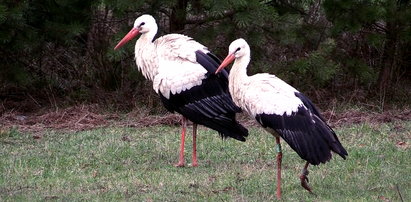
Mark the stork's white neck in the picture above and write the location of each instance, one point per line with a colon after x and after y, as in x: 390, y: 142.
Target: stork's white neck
x: 148, y: 37
x: 238, y: 73
x: 146, y: 56
x: 238, y: 79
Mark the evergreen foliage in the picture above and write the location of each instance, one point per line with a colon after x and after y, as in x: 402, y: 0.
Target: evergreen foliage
x: 64, y: 48
x: 33, y: 34
x: 384, y: 28
x: 317, y: 67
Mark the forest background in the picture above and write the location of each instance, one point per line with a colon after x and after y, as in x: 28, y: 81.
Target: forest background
x: 58, y: 53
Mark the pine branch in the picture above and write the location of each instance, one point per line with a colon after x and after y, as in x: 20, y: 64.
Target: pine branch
x: 287, y: 4
x: 201, y: 19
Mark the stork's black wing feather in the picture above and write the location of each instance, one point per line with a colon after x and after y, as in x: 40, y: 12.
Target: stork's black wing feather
x: 210, y: 103
x: 307, y: 102
x: 306, y: 133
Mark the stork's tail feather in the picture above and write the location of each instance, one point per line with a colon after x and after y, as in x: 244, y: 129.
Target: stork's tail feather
x: 224, y: 123
x: 236, y: 131
x: 323, y: 142
x: 338, y: 148
x: 227, y: 126
x: 312, y: 139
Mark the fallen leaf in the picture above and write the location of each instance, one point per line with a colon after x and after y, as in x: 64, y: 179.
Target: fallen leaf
x: 193, y: 185
x: 37, y: 137
x: 383, y: 198
x: 126, y: 138
x: 51, y: 197
x: 402, y: 145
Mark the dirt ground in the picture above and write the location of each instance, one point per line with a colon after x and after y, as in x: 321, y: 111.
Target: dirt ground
x: 85, y: 117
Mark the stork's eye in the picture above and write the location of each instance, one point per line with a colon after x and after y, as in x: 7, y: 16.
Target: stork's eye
x: 143, y: 23
x: 238, y: 49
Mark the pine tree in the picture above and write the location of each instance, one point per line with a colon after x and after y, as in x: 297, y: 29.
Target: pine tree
x: 386, y: 29
x: 66, y: 46
x: 35, y: 32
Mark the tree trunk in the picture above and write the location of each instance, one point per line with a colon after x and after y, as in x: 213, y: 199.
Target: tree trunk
x: 388, y: 59
x: 387, y: 65
x: 178, y: 16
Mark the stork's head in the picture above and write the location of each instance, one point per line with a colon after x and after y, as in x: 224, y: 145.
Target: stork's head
x: 237, y: 49
x: 143, y: 24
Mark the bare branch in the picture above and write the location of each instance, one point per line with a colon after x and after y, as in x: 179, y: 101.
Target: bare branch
x: 379, y: 26
x: 165, y: 12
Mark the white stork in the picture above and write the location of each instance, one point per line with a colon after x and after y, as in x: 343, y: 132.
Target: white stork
x: 182, y: 71
x: 282, y: 111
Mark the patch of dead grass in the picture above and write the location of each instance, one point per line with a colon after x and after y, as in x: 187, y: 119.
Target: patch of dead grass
x: 85, y: 117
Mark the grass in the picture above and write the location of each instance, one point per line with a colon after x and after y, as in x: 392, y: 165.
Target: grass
x: 98, y: 165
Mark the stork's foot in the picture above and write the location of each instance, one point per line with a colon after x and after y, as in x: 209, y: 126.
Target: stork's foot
x: 179, y: 164
x: 305, y: 181
x: 194, y: 165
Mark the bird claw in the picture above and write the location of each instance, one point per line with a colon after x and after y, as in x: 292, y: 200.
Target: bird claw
x: 305, y: 181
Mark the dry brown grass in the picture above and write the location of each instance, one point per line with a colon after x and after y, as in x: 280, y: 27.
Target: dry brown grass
x: 85, y: 117
x: 81, y: 117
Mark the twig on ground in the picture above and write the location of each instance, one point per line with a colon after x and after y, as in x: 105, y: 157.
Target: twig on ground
x: 82, y: 118
x: 35, y: 101
x: 399, y: 193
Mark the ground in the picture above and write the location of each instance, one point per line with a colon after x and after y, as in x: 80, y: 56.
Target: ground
x: 80, y: 153
x: 84, y: 117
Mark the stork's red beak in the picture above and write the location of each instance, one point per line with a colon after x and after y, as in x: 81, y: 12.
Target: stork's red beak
x: 229, y: 59
x: 131, y: 34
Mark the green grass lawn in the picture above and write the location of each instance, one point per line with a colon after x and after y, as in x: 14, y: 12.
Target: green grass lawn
x: 100, y: 165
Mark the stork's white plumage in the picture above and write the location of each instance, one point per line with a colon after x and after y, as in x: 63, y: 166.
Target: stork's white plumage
x: 281, y: 110
x: 182, y: 71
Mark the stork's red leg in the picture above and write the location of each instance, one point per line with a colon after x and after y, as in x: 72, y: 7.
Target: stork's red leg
x: 279, y: 159
x: 183, y: 134
x: 194, y: 163
x: 304, y: 179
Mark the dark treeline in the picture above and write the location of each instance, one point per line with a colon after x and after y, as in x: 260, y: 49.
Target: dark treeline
x: 56, y: 52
